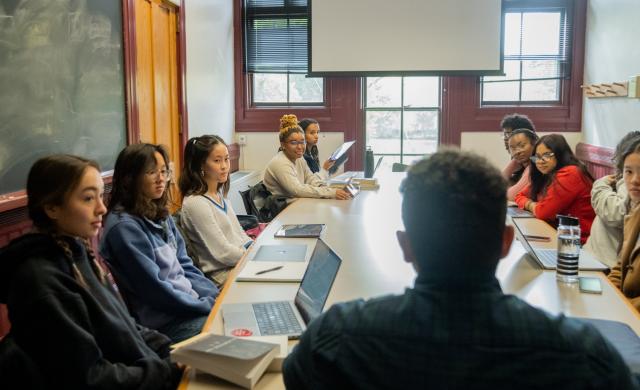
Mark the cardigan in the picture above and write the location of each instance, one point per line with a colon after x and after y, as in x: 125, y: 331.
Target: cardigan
x: 282, y: 177
x: 569, y: 193
x: 215, y: 232
x: 606, y: 232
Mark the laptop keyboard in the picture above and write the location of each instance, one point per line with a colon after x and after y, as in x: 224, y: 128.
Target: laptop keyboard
x: 276, y: 318
x: 548, y: 257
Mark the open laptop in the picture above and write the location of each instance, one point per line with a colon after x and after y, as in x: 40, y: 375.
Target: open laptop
x: 547, y: 258
x: 287, y: 317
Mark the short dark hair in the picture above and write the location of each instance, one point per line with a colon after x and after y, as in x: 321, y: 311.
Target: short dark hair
x: 530, y: 134
x: 454, y: 209
x: 50, y: 181
x: 564, y: 157
x: 195, y: 155
x: 517, y: 121
x: 131, y: 165
x: 623, y: 150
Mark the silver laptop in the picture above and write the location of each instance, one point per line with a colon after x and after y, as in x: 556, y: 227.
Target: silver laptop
x: 287, y: 317
x: 279, y: 253
x: 547, y: 258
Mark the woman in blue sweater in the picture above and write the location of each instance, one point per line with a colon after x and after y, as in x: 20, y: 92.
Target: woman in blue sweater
x: 147, y: 254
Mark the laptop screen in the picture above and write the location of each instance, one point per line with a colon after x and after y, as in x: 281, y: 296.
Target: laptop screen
x: 317, y: 281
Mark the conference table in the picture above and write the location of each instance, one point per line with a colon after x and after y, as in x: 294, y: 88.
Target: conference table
x: 362, y: 232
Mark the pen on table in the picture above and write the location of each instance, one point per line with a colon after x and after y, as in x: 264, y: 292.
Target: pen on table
x: 531, y: 237
x: 264, y: 271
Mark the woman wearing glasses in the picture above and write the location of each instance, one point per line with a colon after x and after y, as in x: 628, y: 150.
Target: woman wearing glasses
x: 560, y: 184
x: 287, y: 174
x: 162, y: 287
x: 520, y: 144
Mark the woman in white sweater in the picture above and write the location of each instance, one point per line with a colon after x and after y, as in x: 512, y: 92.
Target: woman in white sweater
x: 207, y: 217
x: 288, y: 174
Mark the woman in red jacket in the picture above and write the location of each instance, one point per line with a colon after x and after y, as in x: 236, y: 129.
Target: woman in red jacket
x: 560, y: 184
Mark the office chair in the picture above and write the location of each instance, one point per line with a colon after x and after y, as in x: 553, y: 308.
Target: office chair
x: 398, y: 167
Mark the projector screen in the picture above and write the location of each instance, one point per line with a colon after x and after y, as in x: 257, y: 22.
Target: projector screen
x: 405, y: 36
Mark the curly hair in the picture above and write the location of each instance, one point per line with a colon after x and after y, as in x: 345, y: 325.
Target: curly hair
x: 131, y: 165
x: 467, y: 197
x: 196, y: 153
x: 288, y: 126
x: 517, y: 121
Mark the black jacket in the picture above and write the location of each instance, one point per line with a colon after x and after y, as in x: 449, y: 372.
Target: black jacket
x: 77, y: 337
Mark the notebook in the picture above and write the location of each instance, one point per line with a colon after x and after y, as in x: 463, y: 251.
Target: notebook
x: 547, y: 258
x: 302, y: 230
x: 287, y: 317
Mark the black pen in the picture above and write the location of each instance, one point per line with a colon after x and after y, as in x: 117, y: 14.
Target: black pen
x: 531, y: 237
x: 264, y: 271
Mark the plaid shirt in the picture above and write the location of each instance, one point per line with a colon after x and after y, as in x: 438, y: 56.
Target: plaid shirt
x: 462, y: 337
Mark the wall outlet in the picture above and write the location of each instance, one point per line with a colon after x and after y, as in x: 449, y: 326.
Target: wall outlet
x: 242, y: 139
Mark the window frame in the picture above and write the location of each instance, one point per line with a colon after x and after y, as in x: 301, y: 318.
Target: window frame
x: 341, y: 111
x: 463, y: 111
x: 530, y: 7
x: 402, y: 109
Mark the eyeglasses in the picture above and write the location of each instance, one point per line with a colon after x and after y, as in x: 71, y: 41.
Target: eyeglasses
x: 296, y: 143
x: 545, y: 157
x: 162, y: 173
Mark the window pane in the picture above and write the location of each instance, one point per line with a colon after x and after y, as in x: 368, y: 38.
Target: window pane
x: 421, y: 91
x: 386, y: 164
x: 383, y: 91
x: 512, y: 33
x: 503, y: 91
x: 269, y: 88
x: 305, y: 90
x: 420, y: 132
x: 543, y: 90
x: 541, y: 33
x: 540, y: 69
x: 383, y: 131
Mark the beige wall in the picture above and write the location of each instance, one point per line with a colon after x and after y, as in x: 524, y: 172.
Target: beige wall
x: 491, y: 146
x: 611, y: 54
x: 261, y: 147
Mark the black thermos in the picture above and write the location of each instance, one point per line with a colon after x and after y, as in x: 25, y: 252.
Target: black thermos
x: 368, y: 162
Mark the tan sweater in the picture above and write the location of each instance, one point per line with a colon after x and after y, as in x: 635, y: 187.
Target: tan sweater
x: 294, y: 180
x: 626, y: 274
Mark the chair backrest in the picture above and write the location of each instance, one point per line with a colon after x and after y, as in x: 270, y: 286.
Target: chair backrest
x: 397, y: 167
x: 261, y: 203
x: 177, y: 218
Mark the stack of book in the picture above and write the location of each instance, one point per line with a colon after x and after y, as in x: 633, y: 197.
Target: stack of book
x: 238, y: 360
x: 366, y: 183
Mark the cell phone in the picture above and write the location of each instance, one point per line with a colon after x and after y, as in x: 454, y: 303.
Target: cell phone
x: 590, y: 285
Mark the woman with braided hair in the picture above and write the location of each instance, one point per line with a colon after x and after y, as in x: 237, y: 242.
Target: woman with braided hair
x: 66, y: 316
x: 288, y: 174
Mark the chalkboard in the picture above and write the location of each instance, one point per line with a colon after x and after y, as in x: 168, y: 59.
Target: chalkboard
x: 61, y: 83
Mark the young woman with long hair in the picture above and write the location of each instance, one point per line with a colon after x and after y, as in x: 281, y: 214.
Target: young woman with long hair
x: 207, y: 216
x: 65, y: 313
x: 287, y: 174
x: 560, y: 184
x: 147, y: 254
x: 311, y: 129
x: 626, y: 274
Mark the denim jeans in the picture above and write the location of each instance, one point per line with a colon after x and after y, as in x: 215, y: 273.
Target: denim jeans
x: 183, y: 328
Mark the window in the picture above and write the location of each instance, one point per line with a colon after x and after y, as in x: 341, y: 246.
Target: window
x: 287, y: 89
x: 402, y: 117
x: 536, y: 57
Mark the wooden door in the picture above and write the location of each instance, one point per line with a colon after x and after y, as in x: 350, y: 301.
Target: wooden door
x: 157, y: 79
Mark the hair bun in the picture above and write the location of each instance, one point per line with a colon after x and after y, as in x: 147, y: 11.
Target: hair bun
x: 287, y: 121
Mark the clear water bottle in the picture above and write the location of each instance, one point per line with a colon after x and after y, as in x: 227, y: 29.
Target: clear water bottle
x: 568, y: 249
x: 368, y: 162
